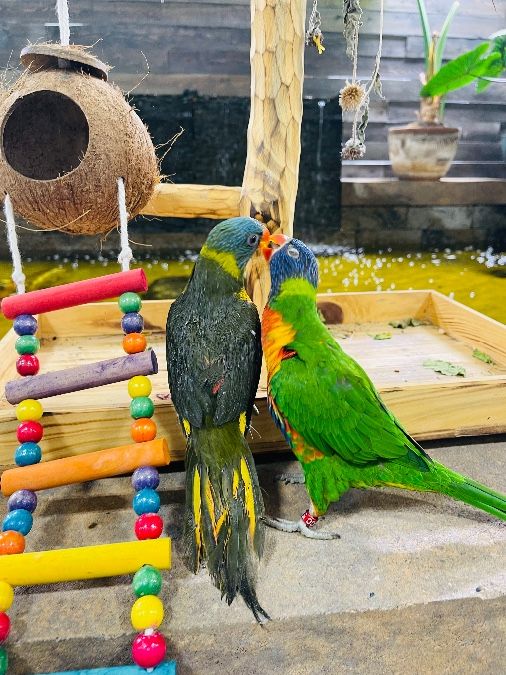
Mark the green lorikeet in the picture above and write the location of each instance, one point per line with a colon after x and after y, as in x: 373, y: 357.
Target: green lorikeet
x: 214, y: 359
x: 330, y: 412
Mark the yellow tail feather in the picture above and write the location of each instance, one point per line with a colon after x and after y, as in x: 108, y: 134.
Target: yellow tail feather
x: 197, y: 510
x: 248, y: 495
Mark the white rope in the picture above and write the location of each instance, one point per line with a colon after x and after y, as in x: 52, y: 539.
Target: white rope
x: 126, y: 253
x: 17, y: 269
x: 62, y: 11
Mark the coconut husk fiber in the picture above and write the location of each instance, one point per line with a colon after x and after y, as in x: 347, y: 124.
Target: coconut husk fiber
x: 66, y: 137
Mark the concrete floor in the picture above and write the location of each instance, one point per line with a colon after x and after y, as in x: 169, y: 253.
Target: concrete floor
x: 417, y: 583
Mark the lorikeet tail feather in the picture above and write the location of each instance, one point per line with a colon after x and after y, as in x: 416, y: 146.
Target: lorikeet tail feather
x: 224, y: 508
x: 471, y: 492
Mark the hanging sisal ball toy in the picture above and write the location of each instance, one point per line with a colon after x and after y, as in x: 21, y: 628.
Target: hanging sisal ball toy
x: 66, y: 136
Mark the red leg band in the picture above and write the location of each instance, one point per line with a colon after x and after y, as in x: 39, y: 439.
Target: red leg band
x: 309, y: 520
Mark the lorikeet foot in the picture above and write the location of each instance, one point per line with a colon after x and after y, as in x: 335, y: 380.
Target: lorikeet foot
x: 290, y: 478
x: 299, y: 526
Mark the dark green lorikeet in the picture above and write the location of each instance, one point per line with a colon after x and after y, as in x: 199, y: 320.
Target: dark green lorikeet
x: 214, y: 360
x: 330, y: 412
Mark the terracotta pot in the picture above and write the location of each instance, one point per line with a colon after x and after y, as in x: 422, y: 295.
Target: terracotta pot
x: 422, y: 152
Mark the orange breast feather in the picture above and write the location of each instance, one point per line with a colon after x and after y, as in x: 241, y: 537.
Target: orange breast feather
x: 276, y: 334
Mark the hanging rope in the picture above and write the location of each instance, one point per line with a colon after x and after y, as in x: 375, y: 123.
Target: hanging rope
x: 62, y: 11
x: 17, y: 269
x: 126, y: 254
x: 314, y: 30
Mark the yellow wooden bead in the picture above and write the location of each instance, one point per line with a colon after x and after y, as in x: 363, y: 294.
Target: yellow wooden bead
x: 147, y: 612
x: 6, y: 596
x: 140, y: 385
x: 29, y: 409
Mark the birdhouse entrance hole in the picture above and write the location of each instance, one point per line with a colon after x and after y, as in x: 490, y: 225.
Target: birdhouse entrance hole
x: 45, y: 135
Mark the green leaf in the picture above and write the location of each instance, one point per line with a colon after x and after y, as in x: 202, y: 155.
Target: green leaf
x: 482, y: 356
x: 441, y: 42
x: 445, y: 367
x: 459, y: 72
x: 381, y: 336
x: 495, y: 69
x: 424, y: 19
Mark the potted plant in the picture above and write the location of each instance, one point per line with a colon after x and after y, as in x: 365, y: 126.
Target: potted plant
x: 425, y: 148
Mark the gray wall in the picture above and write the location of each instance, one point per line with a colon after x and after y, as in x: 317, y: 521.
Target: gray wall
x: 204, y: 45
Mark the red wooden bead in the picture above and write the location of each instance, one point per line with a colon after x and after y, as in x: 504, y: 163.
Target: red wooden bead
x: 148, y: 526
x: 5, y: 626
x: 27, y: 364
x: 30, y: 431
x: 148, y: 649
x: 133, y: 343
x: 143, y: 430
x: 11, y: 542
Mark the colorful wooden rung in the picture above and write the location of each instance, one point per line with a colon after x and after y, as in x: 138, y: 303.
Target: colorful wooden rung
x: 86, y: 562
x: 167, y: 668
x: 75, y: 293
x: 81, y: 377
x: 81, y: 468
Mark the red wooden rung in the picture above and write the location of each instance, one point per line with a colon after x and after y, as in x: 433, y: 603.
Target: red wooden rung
x: 75, y: 293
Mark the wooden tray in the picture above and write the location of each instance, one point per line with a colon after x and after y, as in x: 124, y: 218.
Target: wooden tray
x: 430, y: 405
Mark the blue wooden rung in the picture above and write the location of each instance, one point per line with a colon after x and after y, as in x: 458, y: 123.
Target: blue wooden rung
x: 166, y: 668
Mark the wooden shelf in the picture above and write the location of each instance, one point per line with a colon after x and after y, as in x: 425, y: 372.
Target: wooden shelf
x: 430, y: 405
x: 445, y: 192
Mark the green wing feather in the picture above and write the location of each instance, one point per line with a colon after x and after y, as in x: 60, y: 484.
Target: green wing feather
x: 331, y: 402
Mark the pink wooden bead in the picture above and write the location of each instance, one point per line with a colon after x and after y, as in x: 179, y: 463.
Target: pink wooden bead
x: 148, y: 649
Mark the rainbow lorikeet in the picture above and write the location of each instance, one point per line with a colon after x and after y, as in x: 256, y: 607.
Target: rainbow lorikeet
x: 214, y: 359
x: 329, y: 410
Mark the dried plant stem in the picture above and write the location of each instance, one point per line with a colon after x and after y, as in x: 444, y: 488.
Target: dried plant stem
x: 354, y: 148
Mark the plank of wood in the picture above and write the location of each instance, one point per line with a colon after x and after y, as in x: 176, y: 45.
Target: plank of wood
x: 172, y: 200
x: 470, y: 130
x: 471, y: 327
x: 459, y: 169
x: 445, y: 192
x: 234, y: 15
x: 467, y: 150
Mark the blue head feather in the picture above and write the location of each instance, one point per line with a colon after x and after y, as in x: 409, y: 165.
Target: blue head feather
x: 294, y: 260
x: 237, y: 236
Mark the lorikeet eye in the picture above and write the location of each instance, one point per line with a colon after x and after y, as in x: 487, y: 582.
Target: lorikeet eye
x: 253, y: 240
x: 293, y: 252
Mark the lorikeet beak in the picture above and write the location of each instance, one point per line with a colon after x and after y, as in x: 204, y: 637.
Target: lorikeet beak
x: 271, y: 242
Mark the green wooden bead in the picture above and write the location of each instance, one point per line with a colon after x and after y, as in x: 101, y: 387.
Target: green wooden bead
x: 141, y: 406
x: 4, y: 661
x: 27, y: 344
x: 129, y: 302
x: 147, y: 581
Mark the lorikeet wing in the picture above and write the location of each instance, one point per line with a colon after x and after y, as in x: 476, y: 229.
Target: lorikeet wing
x: 213, y: 370
x: 329, y: 400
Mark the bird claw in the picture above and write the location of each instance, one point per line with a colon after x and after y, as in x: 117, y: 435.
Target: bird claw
x: 299, y: 526
x: 290, y: 478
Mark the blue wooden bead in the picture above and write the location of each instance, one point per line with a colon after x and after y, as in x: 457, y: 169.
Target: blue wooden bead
x: 146, y: 501
x: 22, y: 499
x: 145, y: 477
x: 132, y: 323
x: 28, y: 453
x: 19, y: 520
x: 25, y: 324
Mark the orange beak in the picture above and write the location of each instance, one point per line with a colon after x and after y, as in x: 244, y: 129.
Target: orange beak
x: 271, y: 242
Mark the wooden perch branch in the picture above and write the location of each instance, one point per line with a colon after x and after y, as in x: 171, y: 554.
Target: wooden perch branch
x: 194, y: 201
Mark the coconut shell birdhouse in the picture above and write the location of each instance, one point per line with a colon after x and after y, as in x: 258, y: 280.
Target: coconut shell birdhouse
x: 66, y: 136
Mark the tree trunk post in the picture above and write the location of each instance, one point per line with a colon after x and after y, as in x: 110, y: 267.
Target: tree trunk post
x: 271, y: 173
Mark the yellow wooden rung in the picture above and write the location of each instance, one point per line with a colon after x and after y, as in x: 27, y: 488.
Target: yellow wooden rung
x: 86, y: 562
